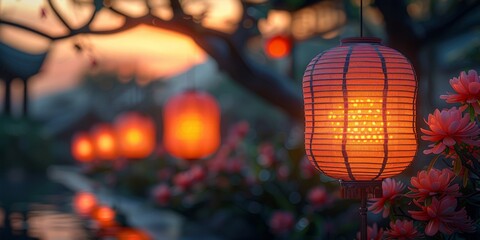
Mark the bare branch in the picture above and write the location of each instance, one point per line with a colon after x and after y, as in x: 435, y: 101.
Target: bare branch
x: 177, y: 9
x: 229, y: 55
x: 59, y: 16
x: 32, y: 30
x: 92, y: 17
x: 118, y: 12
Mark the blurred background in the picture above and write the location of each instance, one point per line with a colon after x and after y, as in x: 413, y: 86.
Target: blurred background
x: 70, y: 66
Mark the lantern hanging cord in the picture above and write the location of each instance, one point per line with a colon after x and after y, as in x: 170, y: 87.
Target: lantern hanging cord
x: 361, y: 18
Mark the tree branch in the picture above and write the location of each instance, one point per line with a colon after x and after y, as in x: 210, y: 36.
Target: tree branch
x: 27, y: 28
x: 59, y: 16
x: 230, y: 57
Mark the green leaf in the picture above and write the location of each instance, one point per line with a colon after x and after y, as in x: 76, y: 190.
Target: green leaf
x: 457, y: 166
x: 465, y: 177
x: 471, y: 111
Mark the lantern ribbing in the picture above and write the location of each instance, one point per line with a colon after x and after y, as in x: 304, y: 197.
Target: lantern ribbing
x: 360, y: 111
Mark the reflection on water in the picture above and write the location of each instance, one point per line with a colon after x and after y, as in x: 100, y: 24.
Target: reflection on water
x: 44, y: 222
x: 32, y: 207
x: 49, y: 224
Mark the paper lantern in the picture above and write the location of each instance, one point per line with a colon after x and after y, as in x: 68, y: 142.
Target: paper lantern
x: 84, y: 203
x: 132, y: 234
x: 360, y: 111
x: 135, y: 135
x: 104, y: 141
x: 191, y: 125
x: 105, y: 216
x: 278, y: 47
x: 82, y: 147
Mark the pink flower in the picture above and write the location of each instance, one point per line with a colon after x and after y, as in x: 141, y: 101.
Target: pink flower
x: 447, y: 128
x: 433, y: 183
x: 317, y: 196
x: 197, y: 173
x: 162, y: 194
x: 182, y: 180
x: 307, y: 168
x: 266, y: 157
x: 373, y: 233
x: 441, y: 216
x: 391, y: 189
x: 281, y: 222
x: 467, y: 88
x: 236, y: 134
x: 402, y: 230
x: 235, y: 165
x: 283, y: 171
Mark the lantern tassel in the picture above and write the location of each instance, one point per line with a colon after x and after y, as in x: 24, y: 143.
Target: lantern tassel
x: 354, y: 189
x: 362, y: 190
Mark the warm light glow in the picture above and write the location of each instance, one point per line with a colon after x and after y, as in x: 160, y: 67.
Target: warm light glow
x: 277, y: 22
x: 191, y: 125
x: 278, y: 47
x: 360, y: 111
x: 136, y: 135
x: 133, y: 136
x: 84, y: 203
x: 365, y: 120
x: 103, y: 136
x: 82, y: 147
x: 132, y: 234
x: 105, y: 216
x: 323, y: 18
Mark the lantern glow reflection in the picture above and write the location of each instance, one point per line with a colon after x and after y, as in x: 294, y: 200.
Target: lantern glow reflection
x: 105, y: 216
x: 84, y: 203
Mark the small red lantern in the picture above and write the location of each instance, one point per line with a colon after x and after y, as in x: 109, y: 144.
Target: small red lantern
x: 132, y: 234
x: 105, y: 216
x: 84, y: 203
x: 278, y: 46
x: 191, y: 125
x: 82, y: 147
x: 135, y: 135
x: 104, y: 142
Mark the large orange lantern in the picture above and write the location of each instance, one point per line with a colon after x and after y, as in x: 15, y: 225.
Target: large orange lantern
x: 135, y: 135
x: 104, y: 141
x: 360, y: 111
x: 84, y: 203
x: 360, y: 116
x: 82, y: 147
x: 191, y: 125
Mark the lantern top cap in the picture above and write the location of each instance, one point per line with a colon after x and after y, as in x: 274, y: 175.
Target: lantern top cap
x: 370, y: 40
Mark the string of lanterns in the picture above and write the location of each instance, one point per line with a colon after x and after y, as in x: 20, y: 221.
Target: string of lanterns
x: 191, y: 131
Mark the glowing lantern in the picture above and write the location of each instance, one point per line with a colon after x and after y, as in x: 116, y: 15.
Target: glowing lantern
x: 105, y: 216
x: 104, y: 142
x: 84, y: 203
x: 360, y: 112
x: 132, y: 234
x: 135, y: 135
x: 82, y: 147
x: 191, y: 125
x: 278, y: 46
